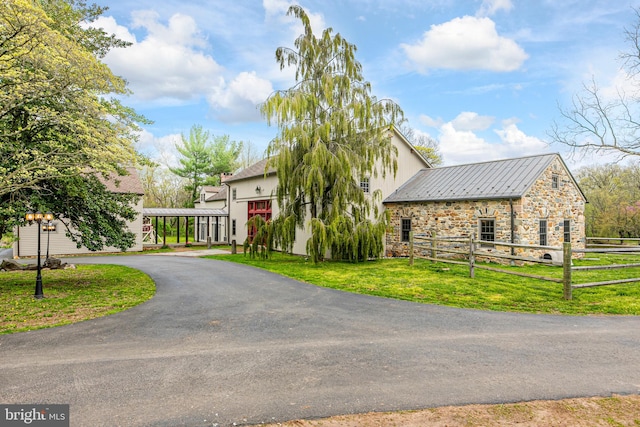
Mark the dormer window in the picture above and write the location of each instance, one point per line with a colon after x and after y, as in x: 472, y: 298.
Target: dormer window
x: 203, y: 197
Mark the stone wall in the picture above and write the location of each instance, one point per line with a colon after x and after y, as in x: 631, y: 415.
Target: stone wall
x: 462, y: 218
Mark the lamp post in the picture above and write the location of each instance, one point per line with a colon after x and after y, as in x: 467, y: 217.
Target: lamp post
x: 31, y: 218
x: 48, y: 227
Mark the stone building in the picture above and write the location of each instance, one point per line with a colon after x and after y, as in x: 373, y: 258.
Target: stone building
x: 530, y: 200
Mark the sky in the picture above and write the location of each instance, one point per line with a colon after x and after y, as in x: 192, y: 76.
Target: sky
x: 485, y: 78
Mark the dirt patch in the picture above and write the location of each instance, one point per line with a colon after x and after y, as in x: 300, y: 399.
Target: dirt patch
x: 586, y: 412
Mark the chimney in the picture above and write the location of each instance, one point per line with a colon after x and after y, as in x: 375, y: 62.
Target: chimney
x: 224, y: 176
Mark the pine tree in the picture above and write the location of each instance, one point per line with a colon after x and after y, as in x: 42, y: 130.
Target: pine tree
x: 332, y: 132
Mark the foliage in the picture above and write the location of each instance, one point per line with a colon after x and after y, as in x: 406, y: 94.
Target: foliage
x: 613, y: 192
x: 424, y: 144
x: 58, y: 120
x: 162, y: 188
x: 450, y: 285
x: 332, y: 132
x: 249, y: 155
x: 71, y: 295
x: 598, y: 121
x: 202, y: 161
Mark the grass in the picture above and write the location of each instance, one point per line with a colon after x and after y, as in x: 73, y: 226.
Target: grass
x: 450, y: 285
x: 71, y: 295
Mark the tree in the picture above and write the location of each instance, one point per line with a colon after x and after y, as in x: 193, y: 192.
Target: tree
x: 162, y: 188
x: 202, y: 161
x: 331, y: 132
x: 599, y: 122
x: 427, y: 146
x: 613, y: 192
x: 249, y: 155
x: 59, y: 124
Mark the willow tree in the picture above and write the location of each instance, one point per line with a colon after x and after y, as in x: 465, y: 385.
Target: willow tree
x: 332, y: 132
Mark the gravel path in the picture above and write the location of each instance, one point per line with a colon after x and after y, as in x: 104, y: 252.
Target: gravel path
x: 223, y: 343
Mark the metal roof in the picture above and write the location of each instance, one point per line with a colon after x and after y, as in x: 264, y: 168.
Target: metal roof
x: 183, y: 212
x: 501, y: 179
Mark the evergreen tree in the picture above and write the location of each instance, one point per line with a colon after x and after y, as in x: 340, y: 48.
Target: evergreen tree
x: 202, y: 160
x: 332, y: 132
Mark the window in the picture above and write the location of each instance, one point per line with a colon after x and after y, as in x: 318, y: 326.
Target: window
x: 567, y: 230
x: 364, y: 185
x: 233, y: 194
x: 488, y: 230
x: 261, y: 208
x: 233, y: 227
x: 202, y: 197
x: 543, y: 232
x: 555, y: 183
x: 405, y: 230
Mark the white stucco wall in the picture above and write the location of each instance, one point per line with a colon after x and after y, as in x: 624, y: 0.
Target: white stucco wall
x: 408, y: 160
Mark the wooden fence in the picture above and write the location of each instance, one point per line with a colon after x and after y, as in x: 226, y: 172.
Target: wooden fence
x: 468, y: 249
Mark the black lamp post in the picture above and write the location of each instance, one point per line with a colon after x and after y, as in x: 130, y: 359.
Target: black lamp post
x: 48, y: 227
x: 38, y: 217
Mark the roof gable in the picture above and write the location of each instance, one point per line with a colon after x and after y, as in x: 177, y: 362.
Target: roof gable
x: 501, y: 179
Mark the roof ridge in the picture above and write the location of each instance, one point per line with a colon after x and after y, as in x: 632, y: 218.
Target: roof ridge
x: 497, y: 161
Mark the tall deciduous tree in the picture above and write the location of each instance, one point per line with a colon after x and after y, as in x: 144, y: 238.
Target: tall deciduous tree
x: 613, y: 192
x: 332, y: 132
x: 428, y: 147
x: 203, y: 160
x: 59, y: 124
x: 604, y: 121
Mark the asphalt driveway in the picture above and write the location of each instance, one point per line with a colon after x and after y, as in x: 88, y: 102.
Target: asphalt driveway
x: 222, y: 343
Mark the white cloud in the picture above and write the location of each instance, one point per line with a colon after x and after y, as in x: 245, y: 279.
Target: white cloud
x: 490, y: 7
x: 169, y: 66
x: 465, y: 43
x: 168, y: 63
x: 239, y: 100
x: 472, y: 121
x: 278, y: 9
x: 460, y: 142
x: 431, y: 122
x: 517, y: 142
x: 159, y: 149
x: 110, y: 26
x: 621, y: 84
x: 462, y: 146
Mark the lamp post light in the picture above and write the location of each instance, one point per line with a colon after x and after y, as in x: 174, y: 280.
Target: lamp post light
x: 48, y: 227
x: 31, y: 218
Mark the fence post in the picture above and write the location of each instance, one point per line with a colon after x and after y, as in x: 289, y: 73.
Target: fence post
x: 411, y: 248
x: 566, y: 265
x: 434, y: 243
x: 472, y: 261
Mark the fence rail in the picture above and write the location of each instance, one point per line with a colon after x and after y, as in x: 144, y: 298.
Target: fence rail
x: 474, y: 249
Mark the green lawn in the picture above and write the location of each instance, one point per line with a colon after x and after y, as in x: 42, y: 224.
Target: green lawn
x: 448, y: 284
x: 70, y: 295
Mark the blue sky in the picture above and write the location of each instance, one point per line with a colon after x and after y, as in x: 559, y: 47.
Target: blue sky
x: 483, y: 77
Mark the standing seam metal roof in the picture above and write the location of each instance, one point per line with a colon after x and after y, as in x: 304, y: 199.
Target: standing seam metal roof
x: 501, y: 179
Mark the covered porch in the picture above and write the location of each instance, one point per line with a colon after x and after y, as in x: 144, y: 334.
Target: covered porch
x: 209, y: 225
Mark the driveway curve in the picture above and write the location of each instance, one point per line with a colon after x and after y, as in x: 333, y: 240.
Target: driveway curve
x: 222, y: 343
